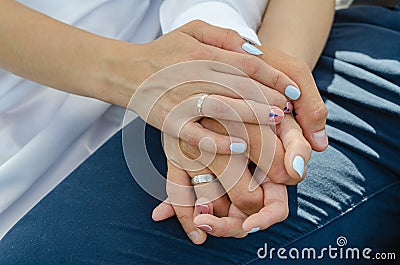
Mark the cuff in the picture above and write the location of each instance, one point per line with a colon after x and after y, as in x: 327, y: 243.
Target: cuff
x: 215, y: 13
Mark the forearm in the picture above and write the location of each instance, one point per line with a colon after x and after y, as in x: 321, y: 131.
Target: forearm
x: 47, y: 51
x: 298, y: 27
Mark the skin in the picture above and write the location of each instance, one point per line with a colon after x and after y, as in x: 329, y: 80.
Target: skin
x: 78, y: 62
x: 82, y: 63
x: 294, y: 43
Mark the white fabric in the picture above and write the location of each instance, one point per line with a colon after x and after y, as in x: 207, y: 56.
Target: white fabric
x: 44, y: 133
x: 40, y: 125
x: 243, y: 16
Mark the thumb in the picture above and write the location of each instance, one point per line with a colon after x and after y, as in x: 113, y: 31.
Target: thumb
x: 226, y: 39
x: 163, y: 211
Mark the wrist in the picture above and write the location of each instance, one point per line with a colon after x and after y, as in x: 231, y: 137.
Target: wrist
x: 122, y: 69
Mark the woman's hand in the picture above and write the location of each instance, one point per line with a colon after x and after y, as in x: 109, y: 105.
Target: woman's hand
x: 169, y: 100
x: 82, y: 63
x: 311, y: 112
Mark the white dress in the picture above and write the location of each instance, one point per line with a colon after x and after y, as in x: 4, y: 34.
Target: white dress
x: 45, y: 133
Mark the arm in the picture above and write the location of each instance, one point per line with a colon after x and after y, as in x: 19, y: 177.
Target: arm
x: 61, y: 56
x: 297, y: 27
x: 55, y: 54
x: 294, y: 34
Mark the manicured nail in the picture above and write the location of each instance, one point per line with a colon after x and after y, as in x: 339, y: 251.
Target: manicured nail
x: 254, y: 230
x: 205, y: 228
x: 238, y: 148
x: 276, y: 115
x: 298, y: 165
x: 194, y: 236
x: 251, y: 49
x: 321, y: 138
x: 288, y: 108
x: 202, y: 209
x: 292, y: 92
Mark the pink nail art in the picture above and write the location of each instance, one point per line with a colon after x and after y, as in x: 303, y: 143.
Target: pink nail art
x: 202, y: 209
x: 276, y: 115
x: 205, y: 228
x: 288, y: 108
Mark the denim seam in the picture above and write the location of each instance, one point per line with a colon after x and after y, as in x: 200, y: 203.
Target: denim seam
x: 252, y: 260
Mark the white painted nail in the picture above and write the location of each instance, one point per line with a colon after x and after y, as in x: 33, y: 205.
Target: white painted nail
x: 238, y: 148
x: 292, y: 92
x: 254, y: 230
x: 250, y: 48
x: 298, y: 165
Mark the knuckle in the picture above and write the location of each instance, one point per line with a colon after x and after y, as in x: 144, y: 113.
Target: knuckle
x: 251, y: 65
x: 230, y: 34
x: 276, y: 77
x: 243, y: 88
x: 249, y: 203
x: 299, y: 66
x: 183, y: 215
x: 219, y: 108
x: 196, y: 23
x: 201, y: 53
x: 319, y: 112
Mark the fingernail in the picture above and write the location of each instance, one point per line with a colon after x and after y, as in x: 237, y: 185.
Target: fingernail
x: 202, y: 209
x: 238, y: 148
x: 276, y: 115
x: 251, y: 49
x: 254, y: 230
x: 205, y: 228
x: 292, y: 92
x: 288, y: 108
x: 298, y: 165
x: 194, y: 236
x: 321, y: 138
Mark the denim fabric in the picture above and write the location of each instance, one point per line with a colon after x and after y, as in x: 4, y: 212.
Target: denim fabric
x: 99, y: 215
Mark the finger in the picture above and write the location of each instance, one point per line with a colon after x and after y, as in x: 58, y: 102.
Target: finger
x: 203, y: 206
x: 232, y: 42
x: 233, y: 174
x: 247, y: 111
x: 226, y: 39
x: 266, y: 149
x: 311, y: 112
x: 297, y: 148
x: 181, y: 197
x: 241, y: 86
x: 258, y: 70
x: 230, y: 226
x: 163, y: 211
x: 212, y: 198
x: 274, y: 211
x: 195, y: 134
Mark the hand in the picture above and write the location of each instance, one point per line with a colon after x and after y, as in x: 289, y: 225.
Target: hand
x: 311, y: 112
x: 168, y: 101
x: 221, y: 218
x: 271, y: 198
x: 276, y: 153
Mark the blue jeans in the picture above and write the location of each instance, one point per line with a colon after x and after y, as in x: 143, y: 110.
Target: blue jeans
x: 99, y: 215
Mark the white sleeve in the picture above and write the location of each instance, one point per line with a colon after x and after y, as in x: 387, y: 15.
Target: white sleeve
x: 240, y: 15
